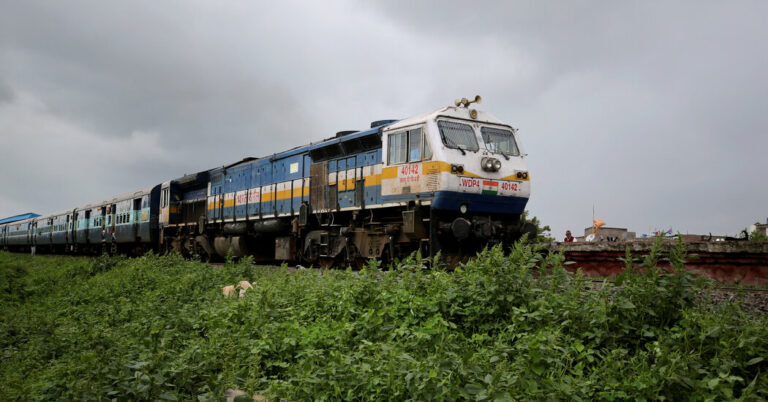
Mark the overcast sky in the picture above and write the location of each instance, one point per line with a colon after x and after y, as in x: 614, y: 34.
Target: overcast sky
x: 655, y: 112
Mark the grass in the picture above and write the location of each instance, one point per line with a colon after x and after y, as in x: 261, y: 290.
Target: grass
x: 501, y: 327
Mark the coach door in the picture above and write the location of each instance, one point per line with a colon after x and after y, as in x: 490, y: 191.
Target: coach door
x: 73, y: 231
x: 318, y: 187
x: 68, y: 239
x: 103, y: 223
x: 135, y: 217
x: 111, y: 221
x: 88, y: 223
x: 165, y: 199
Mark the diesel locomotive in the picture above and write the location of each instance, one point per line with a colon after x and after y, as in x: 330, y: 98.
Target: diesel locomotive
x: 453, y: 180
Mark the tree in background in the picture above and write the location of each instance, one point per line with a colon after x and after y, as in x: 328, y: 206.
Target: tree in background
x: 543, y: 233
x: 758, y: 235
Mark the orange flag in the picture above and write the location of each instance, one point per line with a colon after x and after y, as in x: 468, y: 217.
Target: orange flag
x: 597, y: 224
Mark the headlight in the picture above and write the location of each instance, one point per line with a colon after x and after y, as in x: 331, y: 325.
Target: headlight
x: 490, y: 164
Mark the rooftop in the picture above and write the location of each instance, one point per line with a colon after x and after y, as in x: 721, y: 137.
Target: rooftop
x: 21, y: 217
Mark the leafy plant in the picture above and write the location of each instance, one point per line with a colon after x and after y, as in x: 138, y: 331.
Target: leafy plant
x: 501, y: 326
x: 758, y: 235
x: 543, y: 233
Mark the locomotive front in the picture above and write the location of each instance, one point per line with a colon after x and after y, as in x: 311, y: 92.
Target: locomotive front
x: 465, y: 165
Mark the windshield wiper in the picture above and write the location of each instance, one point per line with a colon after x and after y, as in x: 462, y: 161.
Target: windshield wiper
x: 453, y: 144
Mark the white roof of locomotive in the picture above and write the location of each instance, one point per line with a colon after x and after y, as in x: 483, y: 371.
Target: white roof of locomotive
x: 448, y: 111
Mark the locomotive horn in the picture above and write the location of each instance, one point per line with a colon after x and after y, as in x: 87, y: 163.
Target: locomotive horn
x: 466, y: 102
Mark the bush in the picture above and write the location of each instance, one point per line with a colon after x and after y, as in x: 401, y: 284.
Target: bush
x: 513, y: 326
x: 758, y: 235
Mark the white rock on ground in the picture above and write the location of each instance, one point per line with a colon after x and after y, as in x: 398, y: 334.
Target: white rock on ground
x: 228, y: 290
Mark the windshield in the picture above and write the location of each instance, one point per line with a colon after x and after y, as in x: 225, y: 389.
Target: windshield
x: 457, y: 135
x: 499, y: 141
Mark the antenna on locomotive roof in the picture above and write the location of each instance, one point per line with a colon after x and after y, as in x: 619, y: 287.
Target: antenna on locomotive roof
x: 465, y: 102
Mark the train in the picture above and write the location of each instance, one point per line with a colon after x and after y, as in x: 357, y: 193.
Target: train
x: 451, y: 181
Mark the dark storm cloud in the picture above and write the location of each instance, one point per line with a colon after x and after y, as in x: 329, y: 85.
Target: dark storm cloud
x: 116, y: 69
x: 6, y: 92
x: 652, y: 111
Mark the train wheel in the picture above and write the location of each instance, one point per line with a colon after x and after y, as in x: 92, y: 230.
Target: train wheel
x: 359, y: 263
x: 452, y: 261
x: 386, y: 258
x: 326, y: 262
x: 531, y: 230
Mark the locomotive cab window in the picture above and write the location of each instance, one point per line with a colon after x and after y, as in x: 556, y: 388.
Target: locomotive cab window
x: 414, y: 145
x: 458, y: 135
x: 408, y: 146
x: 398, y: 144
x: 500, y: 141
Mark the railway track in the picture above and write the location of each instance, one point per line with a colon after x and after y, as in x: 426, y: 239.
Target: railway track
x: 729, y: 262
x: 715, y: 288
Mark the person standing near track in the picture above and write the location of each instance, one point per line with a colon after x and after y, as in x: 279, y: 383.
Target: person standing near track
x: 568, y: 237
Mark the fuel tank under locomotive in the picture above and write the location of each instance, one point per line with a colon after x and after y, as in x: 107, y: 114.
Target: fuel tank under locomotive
x: 244, y: 238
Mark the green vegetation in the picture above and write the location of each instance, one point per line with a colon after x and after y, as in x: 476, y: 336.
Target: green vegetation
x: 543, y: 233
x: 500, y: 327
x: 758, y: 235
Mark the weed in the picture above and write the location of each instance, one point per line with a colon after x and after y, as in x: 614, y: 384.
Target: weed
x: 502, y: 326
